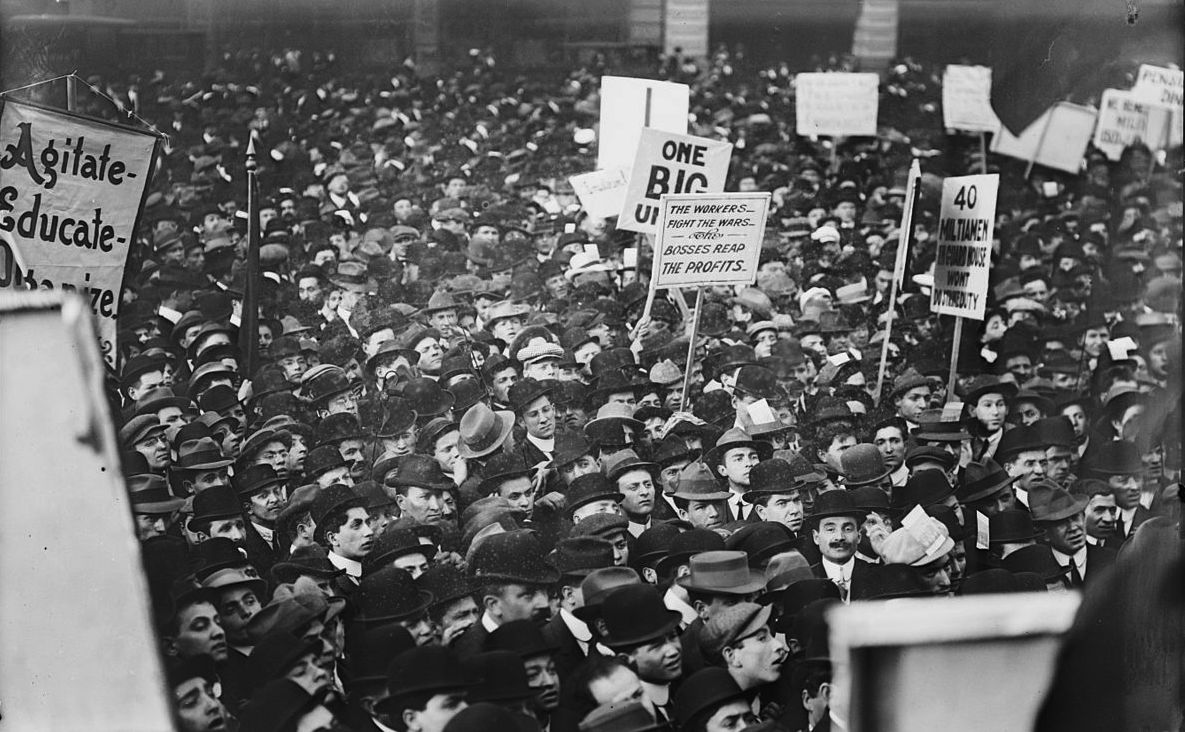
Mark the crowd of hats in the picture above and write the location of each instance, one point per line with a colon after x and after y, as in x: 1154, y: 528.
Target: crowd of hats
x: 429, y: 278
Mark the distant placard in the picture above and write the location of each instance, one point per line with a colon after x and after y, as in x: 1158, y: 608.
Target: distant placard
x: 963, y: 260
x: 670, y: 163
x: 1161, y: 86
x: 836, y: 104
x: 1056, y: 139
x: 967, y: 99
x: 1125, y: 119
x: 628, y: 106
x: 709, y: 239
x: 601, y: 192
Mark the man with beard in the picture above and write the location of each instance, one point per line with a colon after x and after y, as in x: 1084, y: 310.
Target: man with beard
x: 526, y: 639
x: 1059, y: 515
x: 835, y: 530
x: 739, y: 638
x: 263, y: 495
x: 645, y: 634
x: 515, y: 581
x: 733, y: 457
x: 774, y: 494
x: 194, y: 682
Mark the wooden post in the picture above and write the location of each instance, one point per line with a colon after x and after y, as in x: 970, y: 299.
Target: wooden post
x: 1040, y: 142
x: 699, y: 308
x: 954, y: 358
x: 983, y: 152
x: 903, y: 239
x: 71, y: 93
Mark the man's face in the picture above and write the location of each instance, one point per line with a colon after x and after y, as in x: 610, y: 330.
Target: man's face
x: 437, y: 713
x: 759, y: 657
x: 1028, y: 412
x: 458, y: 617
x: 266, y: 504
x: 804, y: 372
x: 592, y: 508
x: 936, y: 575
x: 736, y: 465
x: 1027, y: 467
x: 274, y: 454
x: 149, y: 525
x: 294, y: 367
x: 236, y: 606
x: 421, y: 504
x: 198, y: 708
x: 414, y: 563
x: 731, y: 717
x: 1126, y: 489
x: 352, y: 452
x: 621, y: 548
x: 638, y: 488
x: 911, y: 404
x: 502, y: 382
x: 355, y: 537
x: 1094, y: 340
x: 431, y: 355
x: 1068, y: 535
x: 1020, y: 366
x: 669, y: 474
x: 232, y: 528
x: 836, y: 538
x: 538, y: 418
x: 835, y: 450
x: 846, y: 212
x: 891, y: 444
x: 1058, y: 462
x: 1100, y: 516
x: 446, y: 451
x: 545, y: 370
x: 507, y: 329
x: 543, y: 678
x: 703, y: 514
x: 583, y: 465
x: 621, y: 685
x: 523, y: 602
x: 785, y: 509
x: 1004, y: 500
x: 155, y: 448
x: 990, y: 410
x: 336, y: 475
x: 346, y: 402
x: 518, y: 491
x: 660, y: 661
x: 199, y: 632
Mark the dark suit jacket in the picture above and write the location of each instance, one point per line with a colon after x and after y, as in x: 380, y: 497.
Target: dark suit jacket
x: 693, y: 652
x: 1141, y: 515
x: 261, y: 556
x: 1098, y: 559
x: 861, y: 574
x: 662, y: 508
x: 471, y: 641
x: 567, y: 655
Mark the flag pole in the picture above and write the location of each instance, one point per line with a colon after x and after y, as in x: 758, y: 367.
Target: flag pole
x: 249, y: 323
x: 699, y: 309
x: 903, y: 238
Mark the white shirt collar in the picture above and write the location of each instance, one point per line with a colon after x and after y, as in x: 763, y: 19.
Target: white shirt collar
x: 636, y: 529
x: 488, y: 622
x: 659, y: 694
x: 353, y: 567
x: 547, y: 446
x: 837, y: 572
x: 577, y: 627
x: 1079, y: 559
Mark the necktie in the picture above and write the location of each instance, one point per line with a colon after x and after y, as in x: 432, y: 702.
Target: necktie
x: 1075, y: 576
x: 1122, y: 527
x: 663, y: 711
x: 842, y: 584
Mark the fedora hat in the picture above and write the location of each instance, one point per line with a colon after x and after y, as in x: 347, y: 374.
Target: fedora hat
x: 1117, y: 457
x: 853, y: 294
x: 634, y: 614
x: 139, y: 428
x: 703, y: 691
x: 988, y: 384
x: 1017, y: 440
x: 735, y: 438
x: 981, y: 480
x: 624, y: 462
x: 578, y: 556
x: 419, y: 471
x: 353, y: 277
x: 1011, y: 526
x: 613, y: 425
x: 598, y: 585
x: 654, y: 543
x: 321, y: 383
x: 221, y: 579
x: 466, y: 393
x: 1038, y: 559
x: 722, y: 573
x: 570, y: 446
x: 615, y: 381
x: 311, y: 560
x: 427, y: 397
x: 159, y: 398
x: 923, y: 488
x: 760, y: 541
x: 501, y: 468
x: 1049, y: 502
x: 933, y: 428
x: 505, y: 309
x: 394, y: 417
x: 441, y: 300
x: 483, y: 431
x: 321, y: 460
x: 390, y: 350
x: 697, y: 482
x: 422, y: 670
x: 686, y: 545
x: 276, y: 706
x: 863, y: 464
x: 836, y: 503
x: 513, y: 556
x: 588, y: 488
x: 149, y: 494
x: 256, y: 478
x: 524, y: 391
x: 218, y: 503
x: 621, y: 716
x: 293, y: 607
x: 672, y: 449
x: 200, y: 454
x: 390, y: 594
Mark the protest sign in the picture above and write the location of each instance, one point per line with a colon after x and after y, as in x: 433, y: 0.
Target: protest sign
x: 669, y: 163
x: 1160, y: 86
x: 967, y: 99
x: 709, y: 239
x: 71, y: 189
x: 1125, y: 119
x: 601, y: 192
x: 964, y: 257
x: 836, y: 104
x: 686, y: 28
x: 1057, y: 139
x: 630, y: 105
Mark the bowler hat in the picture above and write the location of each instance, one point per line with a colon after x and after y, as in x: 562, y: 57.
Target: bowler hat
x: 654, y: 543
x: 422, y: 670
x: 768, y: 477
x: 1049, y: 502
x: 588, y: 488
x: 1056, y: 431
x: 760, y: 541
x: 988, y: 384
x: 570, y: 446
x: 634, y: 614
x: 322, y: 383
x: 722, y: 573
x: 501, y: 677
x: 149, y: 494
x: 446, y: 583
x: 427, y: 397
x: 390, y: 594
x: 621, y: 716
x: 581, y: 555
x: 686, y: 545
x: 1117, y: 457
x: 836, y: 503
x: 370, y: 650
x: 525, y: 391
x: 863, y: 464
x: 671, y: 449
x: 338, y: 427
x: 501, y: 468
x: 200, y: 454
x: 466, y: 393
x: 732, y: 439
x: 800, y: 594
x: 217, y: 554
x: 394, y: 543
x: 892, y: 581
x: 610, y: 420
x: 395, y: 417
x: 1011, y: 526
x: 981, y: 480
x: 334, y: 498
x: 513, y: 556
x: 598, y: 585
x: 1038, y: 559
x: 759, y: 382
x: 483, y: 430
x: 923, y: 488
x: 419, y: 471
x: 522, y: 637
x: 871, y: 498
x: 624, y: 462
x: 217, y: 503
x: 1017, y: 440
x: 311, y: 560
x: 256, y: 478
x: 696, y: 482
x: 485, y: 715
x: 703, y: 692
x: 321, y: 460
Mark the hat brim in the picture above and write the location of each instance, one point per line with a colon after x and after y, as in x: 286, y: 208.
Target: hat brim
x: 1006, y: 389
x: 158, y: 507
x: 1003, y: 482
x: 673, y: 620
x: 714, y: 456
x: 1064, y: 513
x: 423, y: 600
x: 755, y: 584
x: 603, y: 422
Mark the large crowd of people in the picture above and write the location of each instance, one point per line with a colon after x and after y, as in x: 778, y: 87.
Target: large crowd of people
x: 465, y: 488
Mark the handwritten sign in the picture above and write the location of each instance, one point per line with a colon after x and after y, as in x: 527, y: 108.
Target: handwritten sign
x: 1160, y: 86
x: 1056, y: 139
x: 669, y: 163
x: 709, y: 239
x: 836, y: 104
x: 964, y: 257
x: 967, y: 99
x: 1125, y: 119
x: 601, y: 192
x: 630, y: 105
x: 70, y: 192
